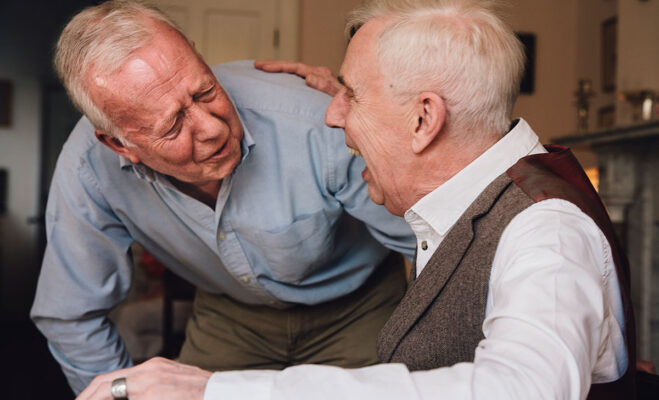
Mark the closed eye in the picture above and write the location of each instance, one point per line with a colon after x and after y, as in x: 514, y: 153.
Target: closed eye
x: 206, y: 95
x: 176, y: 127
x: 348, y: 92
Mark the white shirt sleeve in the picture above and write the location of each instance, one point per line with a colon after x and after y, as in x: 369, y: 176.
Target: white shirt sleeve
x: 553, y: 324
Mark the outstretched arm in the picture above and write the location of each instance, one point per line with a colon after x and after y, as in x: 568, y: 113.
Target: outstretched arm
x: 157, y: 378
x: 319, y: 78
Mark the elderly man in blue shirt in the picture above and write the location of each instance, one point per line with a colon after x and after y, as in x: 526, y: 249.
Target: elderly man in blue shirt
x: 230, y: 178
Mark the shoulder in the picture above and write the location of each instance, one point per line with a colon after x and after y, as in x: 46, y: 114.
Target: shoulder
x: 554, y: 214
x: 79, y: 146
x: 281, y: 112
x: 84, y: 157
x: 253, y: 89
x: 557, y: 232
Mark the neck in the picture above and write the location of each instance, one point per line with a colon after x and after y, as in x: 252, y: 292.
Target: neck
x: 444, y: 159
x: 205, y: 193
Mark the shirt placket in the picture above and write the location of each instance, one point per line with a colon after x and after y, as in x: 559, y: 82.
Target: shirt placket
x: 231, y: 252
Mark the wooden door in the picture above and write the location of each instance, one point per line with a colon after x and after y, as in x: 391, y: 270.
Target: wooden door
x: 226, y: 30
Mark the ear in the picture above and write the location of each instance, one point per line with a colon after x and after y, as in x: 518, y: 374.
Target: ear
x: 430, y: 117
x: 115, y: 145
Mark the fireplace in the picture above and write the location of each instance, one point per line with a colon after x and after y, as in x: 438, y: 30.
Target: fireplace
x: 628, y: 163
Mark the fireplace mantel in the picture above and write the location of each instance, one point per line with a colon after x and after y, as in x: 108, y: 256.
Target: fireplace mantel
x: 624, y: 135
x: 628, y: 163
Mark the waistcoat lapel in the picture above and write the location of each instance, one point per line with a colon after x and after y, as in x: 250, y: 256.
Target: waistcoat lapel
x: 441, y: 266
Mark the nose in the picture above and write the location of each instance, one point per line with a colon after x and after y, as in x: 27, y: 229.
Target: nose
x: 337, y: 111
x: 207, y: 126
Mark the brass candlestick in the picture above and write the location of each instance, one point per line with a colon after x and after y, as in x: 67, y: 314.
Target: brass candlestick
x: 583, y: 93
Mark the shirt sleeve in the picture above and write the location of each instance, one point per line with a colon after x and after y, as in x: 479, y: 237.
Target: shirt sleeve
x: 549, y: 328
x: 86, y: 271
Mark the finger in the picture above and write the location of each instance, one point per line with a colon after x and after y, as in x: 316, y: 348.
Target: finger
x: 291, y: 67
x: 261, y: 63
x: 99, y: 391
x: 324, y: 84
x: 319, y: 78
x: 645, y: 366
x: 91, y: 389
x: 99, y: 388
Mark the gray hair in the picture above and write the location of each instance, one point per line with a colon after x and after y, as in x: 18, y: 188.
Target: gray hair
x: 102, y: 38
x: 459, y: 49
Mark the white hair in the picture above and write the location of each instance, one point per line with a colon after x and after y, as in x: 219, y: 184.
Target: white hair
x: 459, y: 49
x: 101, y: 38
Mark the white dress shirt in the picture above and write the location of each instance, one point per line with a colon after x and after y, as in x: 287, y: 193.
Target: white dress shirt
x: 553, y: 322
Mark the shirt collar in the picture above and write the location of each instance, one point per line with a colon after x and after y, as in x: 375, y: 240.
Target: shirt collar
x: 146, y: 173
x: 442, y: 207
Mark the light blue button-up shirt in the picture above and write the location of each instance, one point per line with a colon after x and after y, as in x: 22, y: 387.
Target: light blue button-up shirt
x: 287, y: 227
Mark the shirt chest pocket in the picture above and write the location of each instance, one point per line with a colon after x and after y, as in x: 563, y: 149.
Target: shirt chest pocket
x: 299, y: 249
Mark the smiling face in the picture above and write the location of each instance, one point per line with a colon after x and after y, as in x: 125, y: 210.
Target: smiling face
x: 374, y: 123
x: 168, y: 105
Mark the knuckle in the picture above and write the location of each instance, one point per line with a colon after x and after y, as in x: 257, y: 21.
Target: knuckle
x: 325, y: 71
x: 153, y: 362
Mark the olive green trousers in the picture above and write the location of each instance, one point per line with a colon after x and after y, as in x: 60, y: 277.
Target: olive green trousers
x: 224, y: 334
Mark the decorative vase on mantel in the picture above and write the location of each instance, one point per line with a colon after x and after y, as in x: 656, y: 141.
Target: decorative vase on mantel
x: 643, y: 105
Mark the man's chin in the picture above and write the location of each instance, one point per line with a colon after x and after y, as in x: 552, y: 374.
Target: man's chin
x: 227, y: 167
x: 375, y: 195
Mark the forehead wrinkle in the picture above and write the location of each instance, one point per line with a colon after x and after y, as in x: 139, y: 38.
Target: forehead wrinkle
x: 159, y: 89
x: 158, y: 82
x: 162, y: 87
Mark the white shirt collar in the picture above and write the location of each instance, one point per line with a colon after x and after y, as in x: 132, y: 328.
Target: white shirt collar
x: 442, y: 207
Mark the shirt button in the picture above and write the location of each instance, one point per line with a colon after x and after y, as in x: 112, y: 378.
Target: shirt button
x: 424, y: 245
x: 222, y: 236
x: 245, y: 279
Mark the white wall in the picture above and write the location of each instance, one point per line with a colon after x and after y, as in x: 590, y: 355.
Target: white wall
x: 591, y: 15
x: 638, y: 50
x: 19, y: 154
x: 27, y: 33
x: 549, y: 109
x: 321, y: 31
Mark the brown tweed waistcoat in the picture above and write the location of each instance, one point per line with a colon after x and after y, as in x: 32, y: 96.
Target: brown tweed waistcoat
x: 439, y: 321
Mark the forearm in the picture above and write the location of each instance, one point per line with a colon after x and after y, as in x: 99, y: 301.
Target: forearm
x: 483, y: 380
x: 382, y: 382
x: 83, y: 349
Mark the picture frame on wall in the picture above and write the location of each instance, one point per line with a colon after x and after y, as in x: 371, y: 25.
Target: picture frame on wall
x: 5, y: 103
x: 528, y: 80
x: 609, y: 54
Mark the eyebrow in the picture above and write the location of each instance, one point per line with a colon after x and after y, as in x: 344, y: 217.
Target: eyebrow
x: 205, y: 84
x: 345, y: 85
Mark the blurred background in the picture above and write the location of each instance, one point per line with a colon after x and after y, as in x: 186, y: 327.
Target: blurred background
x: 591, y: 83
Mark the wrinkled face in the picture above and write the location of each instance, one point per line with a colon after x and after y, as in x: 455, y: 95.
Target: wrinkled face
x: 170, y: 107
x: 375, y: 124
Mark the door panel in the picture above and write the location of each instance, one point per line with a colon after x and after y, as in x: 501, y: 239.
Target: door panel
x: 234, y: 35
x: 225, y: 30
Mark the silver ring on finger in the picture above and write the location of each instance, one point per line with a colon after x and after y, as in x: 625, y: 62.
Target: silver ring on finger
x: 118, y: 389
